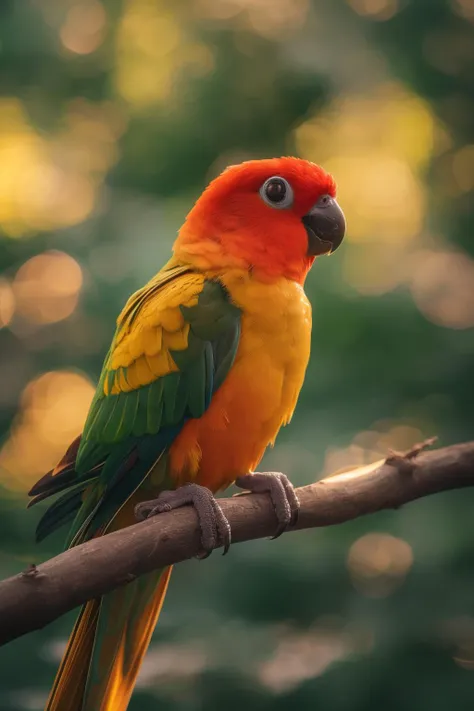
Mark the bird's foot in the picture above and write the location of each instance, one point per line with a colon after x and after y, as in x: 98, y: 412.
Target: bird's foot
x: 215, y: 528
x: 282, y: 494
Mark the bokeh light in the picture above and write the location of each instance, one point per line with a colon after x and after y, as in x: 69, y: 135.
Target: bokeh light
x: 7, y: 303
x: 375, y: 9
x: 151, y: 50
x: 376, y: 270
x: 272, y: 19
x: 175, y: 663
x: 301, y: 656
x: 442, y: 286
x: 378, y: 563
x: 83, y: 30
x: 464, y: 8
x: 46, y: 288
x: 53, y: 409
x: 49, y: 183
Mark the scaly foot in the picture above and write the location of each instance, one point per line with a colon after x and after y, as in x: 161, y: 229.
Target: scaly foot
x: 215, y: 529
x: 282, y: 494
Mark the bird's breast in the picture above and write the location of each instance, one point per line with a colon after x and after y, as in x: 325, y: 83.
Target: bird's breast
x: 261, y: 389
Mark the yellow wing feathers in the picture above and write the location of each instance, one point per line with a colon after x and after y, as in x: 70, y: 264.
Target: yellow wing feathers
x: 145, y: 337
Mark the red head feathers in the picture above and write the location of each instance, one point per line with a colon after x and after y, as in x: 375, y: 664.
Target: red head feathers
x: 272, y: 216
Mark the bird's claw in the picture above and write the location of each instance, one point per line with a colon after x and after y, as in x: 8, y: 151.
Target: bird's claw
x: 215, y: 528
x: 282, y: 494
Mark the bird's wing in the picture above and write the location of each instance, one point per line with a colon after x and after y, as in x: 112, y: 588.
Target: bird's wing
x: 175, y: 342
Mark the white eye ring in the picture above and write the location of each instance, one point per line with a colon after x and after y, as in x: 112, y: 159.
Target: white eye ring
x: 277, y: 192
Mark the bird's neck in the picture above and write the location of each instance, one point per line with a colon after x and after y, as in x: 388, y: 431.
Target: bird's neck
x: 209, y: 255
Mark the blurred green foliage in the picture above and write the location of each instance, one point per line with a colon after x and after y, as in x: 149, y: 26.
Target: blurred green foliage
x: 113, y: 117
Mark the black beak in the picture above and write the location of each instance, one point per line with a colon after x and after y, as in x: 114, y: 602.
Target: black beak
x: 325, y: 225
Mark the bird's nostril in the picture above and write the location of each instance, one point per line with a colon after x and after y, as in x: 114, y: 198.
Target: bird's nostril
x: 324, y: 201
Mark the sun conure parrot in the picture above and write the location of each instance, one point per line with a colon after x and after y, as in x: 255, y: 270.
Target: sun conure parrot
x: 205, y: 366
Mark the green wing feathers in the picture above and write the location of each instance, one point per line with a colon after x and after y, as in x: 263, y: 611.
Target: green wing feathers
x: 175, y: 342
x: 161, y: 367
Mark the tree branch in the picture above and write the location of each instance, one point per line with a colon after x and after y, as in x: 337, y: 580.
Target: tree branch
x: 37, y: 596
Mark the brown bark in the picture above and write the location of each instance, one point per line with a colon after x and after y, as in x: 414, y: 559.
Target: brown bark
x: 37, y: 596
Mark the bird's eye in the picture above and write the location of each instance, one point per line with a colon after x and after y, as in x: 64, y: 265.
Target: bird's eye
x: 277, y: 192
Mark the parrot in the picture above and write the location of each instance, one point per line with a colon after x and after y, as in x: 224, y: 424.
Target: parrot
x: 205, y: 367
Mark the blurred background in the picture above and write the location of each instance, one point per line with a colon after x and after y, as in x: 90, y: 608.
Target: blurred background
x: 113, y: 117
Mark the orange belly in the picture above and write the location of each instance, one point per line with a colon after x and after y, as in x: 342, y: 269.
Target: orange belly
x: 232, y: 435
x: 259, y: 393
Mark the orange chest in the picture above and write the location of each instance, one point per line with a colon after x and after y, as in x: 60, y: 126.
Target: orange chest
x: 260, y: 391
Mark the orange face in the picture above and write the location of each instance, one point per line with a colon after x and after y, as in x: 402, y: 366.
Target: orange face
x: 271, y: 216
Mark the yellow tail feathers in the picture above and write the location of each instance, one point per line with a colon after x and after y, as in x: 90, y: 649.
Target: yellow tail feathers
x: 109, y: 640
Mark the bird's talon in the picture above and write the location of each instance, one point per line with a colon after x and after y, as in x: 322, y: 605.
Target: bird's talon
x: 281, y: 529
x: 215, y: 529
x: 294, y: 517
x: 142, y: 511
x: 282, y: 493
